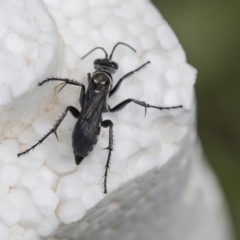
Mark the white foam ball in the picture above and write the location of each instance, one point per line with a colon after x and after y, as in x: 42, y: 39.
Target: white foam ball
x: 153, y: 19
x: 114, y: 181
x: 9, y: 174
x: 126, y: 148
x: 90, y: 173
x: 146, y: 162
x: 8, y: 150
x: 7, y: 13
x: 167, y: 151
x: 5, y: 95
x: 25, y: 26
x: 47, y: 177
x: 4, y: 231
x: 44, y: 21
x: 148, y: 40
x: 69, y: 36
x: 70, y: 187
x: 82, y: 46
x: 17, y: 3
x: 188, y: 74
x: 121, y: 132
x: 29, y: 180
x: 71, y: 211
x: 71, y: 58
x: 20, y: 198
x: 27, y: 161
x: 30, y: 234
x: 47, y: 52
x: 12, y: 129
x: 117, y: 165
x: 136, y: 27
x: 15, y: 236
x: 46, y: 200
x: 95, y: 3
x: 114, y: 2
x: 60, y: 19
x: 167, y: 37
x: 177, y: 54
x: 53, y: 4
x: 13, y: 42
x: 61, y: 161
x: 8, y: 213
x: 126, y: 11
x: 99, y: 15
x: 144, y: 137
x: 30, y: 216
x: 186, y: 95
x: 3, y: 189
x: 129, y: 63
x: 171, y: 98
x: 72, y: 8
x: 17, y: 233
x: 80, y: 26
x: 47, y: 226
x: 113, y: 31
x: 3, y: 30
x: 91, y: 195
x: 10, y: 62
x: 173, y: 78
x: 158, y: 63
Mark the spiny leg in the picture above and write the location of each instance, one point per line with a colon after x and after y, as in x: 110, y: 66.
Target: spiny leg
x: 123, y: 104
x: 106, y: 124
x: 116, y: 87
x: 72, y: 110
x: 65, y: 82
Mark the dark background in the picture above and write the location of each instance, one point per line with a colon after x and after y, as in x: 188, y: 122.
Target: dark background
x: 210, y: 34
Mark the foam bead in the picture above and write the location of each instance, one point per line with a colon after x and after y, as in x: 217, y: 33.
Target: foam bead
x: 46, y: 200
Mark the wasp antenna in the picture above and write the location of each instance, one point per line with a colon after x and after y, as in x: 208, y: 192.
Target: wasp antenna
x: 120, y: 43
x: 106, y: 55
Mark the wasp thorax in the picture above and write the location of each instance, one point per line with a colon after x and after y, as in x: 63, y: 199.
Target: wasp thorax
x: 106, y: 64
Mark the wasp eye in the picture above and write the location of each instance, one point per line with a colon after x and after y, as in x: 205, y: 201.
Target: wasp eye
x: 102, y: 83
x: 96, y: 81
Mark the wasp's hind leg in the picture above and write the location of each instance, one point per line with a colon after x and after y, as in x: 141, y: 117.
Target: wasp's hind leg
x: 108, y: 124
x: 72, y: 110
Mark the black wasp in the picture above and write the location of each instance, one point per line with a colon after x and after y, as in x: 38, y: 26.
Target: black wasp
x: 94, y: 102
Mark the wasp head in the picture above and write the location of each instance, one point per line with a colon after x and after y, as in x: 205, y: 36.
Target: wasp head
x: 106, y: 64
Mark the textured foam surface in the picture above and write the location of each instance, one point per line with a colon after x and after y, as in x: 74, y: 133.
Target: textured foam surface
x: 158, y: 185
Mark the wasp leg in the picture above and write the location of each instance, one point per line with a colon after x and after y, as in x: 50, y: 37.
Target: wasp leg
x: 116, y: 87
x: 123, y: 104
x: 106, y: 124
x: 65, y: 82
x: 72, y: 110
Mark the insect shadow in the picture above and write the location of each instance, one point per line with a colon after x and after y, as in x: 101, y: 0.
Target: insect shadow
x: 94, y: 102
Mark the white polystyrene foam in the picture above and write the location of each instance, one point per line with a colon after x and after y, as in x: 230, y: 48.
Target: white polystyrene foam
x: 48, y: 204
x: 23, y: 28
x: 4, y: 231
x: 71, y: 211
x: 48, y: 225
x: 43, y: 193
